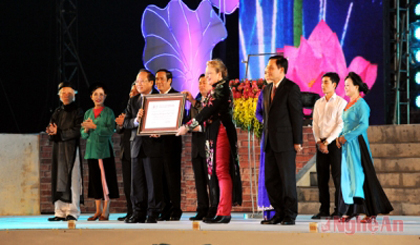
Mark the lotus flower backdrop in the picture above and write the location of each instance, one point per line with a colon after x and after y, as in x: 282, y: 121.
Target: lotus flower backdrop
x: 317, y: 35
x: 322, y: 53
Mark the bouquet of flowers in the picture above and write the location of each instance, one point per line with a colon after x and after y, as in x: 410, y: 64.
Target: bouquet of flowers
x: 245, y: 98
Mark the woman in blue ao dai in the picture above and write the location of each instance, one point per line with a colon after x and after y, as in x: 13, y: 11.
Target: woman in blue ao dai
x: 361, y: 191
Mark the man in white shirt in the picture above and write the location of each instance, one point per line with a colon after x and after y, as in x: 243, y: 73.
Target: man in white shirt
x: 327, y: 125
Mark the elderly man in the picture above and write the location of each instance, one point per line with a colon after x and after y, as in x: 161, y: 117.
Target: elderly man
x: 146, y: 158
x: 66, y: 176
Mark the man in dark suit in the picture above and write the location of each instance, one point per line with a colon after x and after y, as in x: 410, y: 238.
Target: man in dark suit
x: 126, y: 155
x: 172, y: 158
x: 283, y: 130
x: 198, y: 156
x: 146, y: 159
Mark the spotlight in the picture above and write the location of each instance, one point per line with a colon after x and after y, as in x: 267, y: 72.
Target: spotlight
x: 417, y: 55
x: 418, y: 101
x: 417, y: 9
x: 417, y: 32
x: 417, y: 78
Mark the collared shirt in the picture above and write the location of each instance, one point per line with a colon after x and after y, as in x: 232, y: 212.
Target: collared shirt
x: 167, y: 91
x: 277, y: 85
x: 327, y: 118
x: 136, y: 122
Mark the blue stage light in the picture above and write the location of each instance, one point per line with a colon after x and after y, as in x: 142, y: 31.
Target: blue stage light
x: 417, y: 78
x: 417, y: 55
x: 418, y: 101
x: 417, y: 32
x: 417, y: 9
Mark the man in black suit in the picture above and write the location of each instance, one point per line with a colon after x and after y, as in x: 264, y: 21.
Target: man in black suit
x: 283, y: 130
x: 172, y: 158
x: 198, y: 156
x: 146, y: 159
x: 126, y: 155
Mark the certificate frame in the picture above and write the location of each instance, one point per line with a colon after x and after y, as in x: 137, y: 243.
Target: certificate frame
x: 149, y: 101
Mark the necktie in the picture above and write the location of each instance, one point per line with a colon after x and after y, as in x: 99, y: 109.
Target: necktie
x: 273, y: 92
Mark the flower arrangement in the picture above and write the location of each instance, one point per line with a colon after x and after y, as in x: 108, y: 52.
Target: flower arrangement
x: 245, y: 98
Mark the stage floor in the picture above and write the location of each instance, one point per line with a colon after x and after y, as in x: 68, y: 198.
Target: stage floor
x: 36, y: 230
x: 387, y: 225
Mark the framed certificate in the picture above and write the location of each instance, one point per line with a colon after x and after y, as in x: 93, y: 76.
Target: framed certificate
x: 163, y: 114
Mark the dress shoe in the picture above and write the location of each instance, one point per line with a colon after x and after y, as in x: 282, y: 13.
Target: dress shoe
x: 335, y: 215
x: 176, y: 215
x: 151, y: 219
x: 368, y: 219
x: 272, y: 221
x: 55, y: 218
x: 166, y: 213
x: 347, y: 218
x: 199, y: 216
x: 321, y: 215
x: 70, y: 217
x: 135, y: 219
x: 123, y: 218
x: 218, y: 220
x: 210, y: 214
x: 103, y: 218
x: 94, y: 217
x: 164, y: 216
x: 288, y: 221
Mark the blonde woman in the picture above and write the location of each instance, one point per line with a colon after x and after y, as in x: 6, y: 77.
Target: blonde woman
x: 221, y: 149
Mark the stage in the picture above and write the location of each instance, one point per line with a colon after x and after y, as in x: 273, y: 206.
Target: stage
x: 241, y: 230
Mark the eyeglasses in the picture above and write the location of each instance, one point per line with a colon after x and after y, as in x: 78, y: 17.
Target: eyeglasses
x: 142, y: 82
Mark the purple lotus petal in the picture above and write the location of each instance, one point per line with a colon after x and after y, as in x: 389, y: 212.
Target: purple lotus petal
x: 226, y: 6
x: 181, y: 40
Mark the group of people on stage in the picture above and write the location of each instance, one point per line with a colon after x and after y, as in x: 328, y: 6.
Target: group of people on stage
x: 151, y: 165
x: 340, y: 131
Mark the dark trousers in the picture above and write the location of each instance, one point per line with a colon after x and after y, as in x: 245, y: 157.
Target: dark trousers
x: 323, y: 164
x: 201, y: 183
x: 280, y: 181
x: 95, y: 180
x: 126, y: 171
x: 146, y: 186
x: 172, y: 182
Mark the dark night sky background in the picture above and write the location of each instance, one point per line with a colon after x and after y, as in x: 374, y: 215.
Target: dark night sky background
x: 110, y: 49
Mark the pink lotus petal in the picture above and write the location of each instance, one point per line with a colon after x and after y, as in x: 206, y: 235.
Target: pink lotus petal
x: 320, y: 54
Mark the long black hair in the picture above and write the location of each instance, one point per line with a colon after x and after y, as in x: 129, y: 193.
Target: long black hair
x: 363, y: 87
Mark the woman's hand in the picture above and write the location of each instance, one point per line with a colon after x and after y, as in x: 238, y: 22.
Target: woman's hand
x: 182, y: 131
x: 88, y: 125
x: 337, y: 142
x: 342, y: 140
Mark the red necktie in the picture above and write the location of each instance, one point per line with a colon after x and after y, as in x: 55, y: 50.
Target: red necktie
x: 273, y: 92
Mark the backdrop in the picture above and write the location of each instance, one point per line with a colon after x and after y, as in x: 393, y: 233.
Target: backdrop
x: 272, y: 25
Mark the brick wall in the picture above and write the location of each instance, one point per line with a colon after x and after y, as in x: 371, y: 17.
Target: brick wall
x: 187, y: 176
